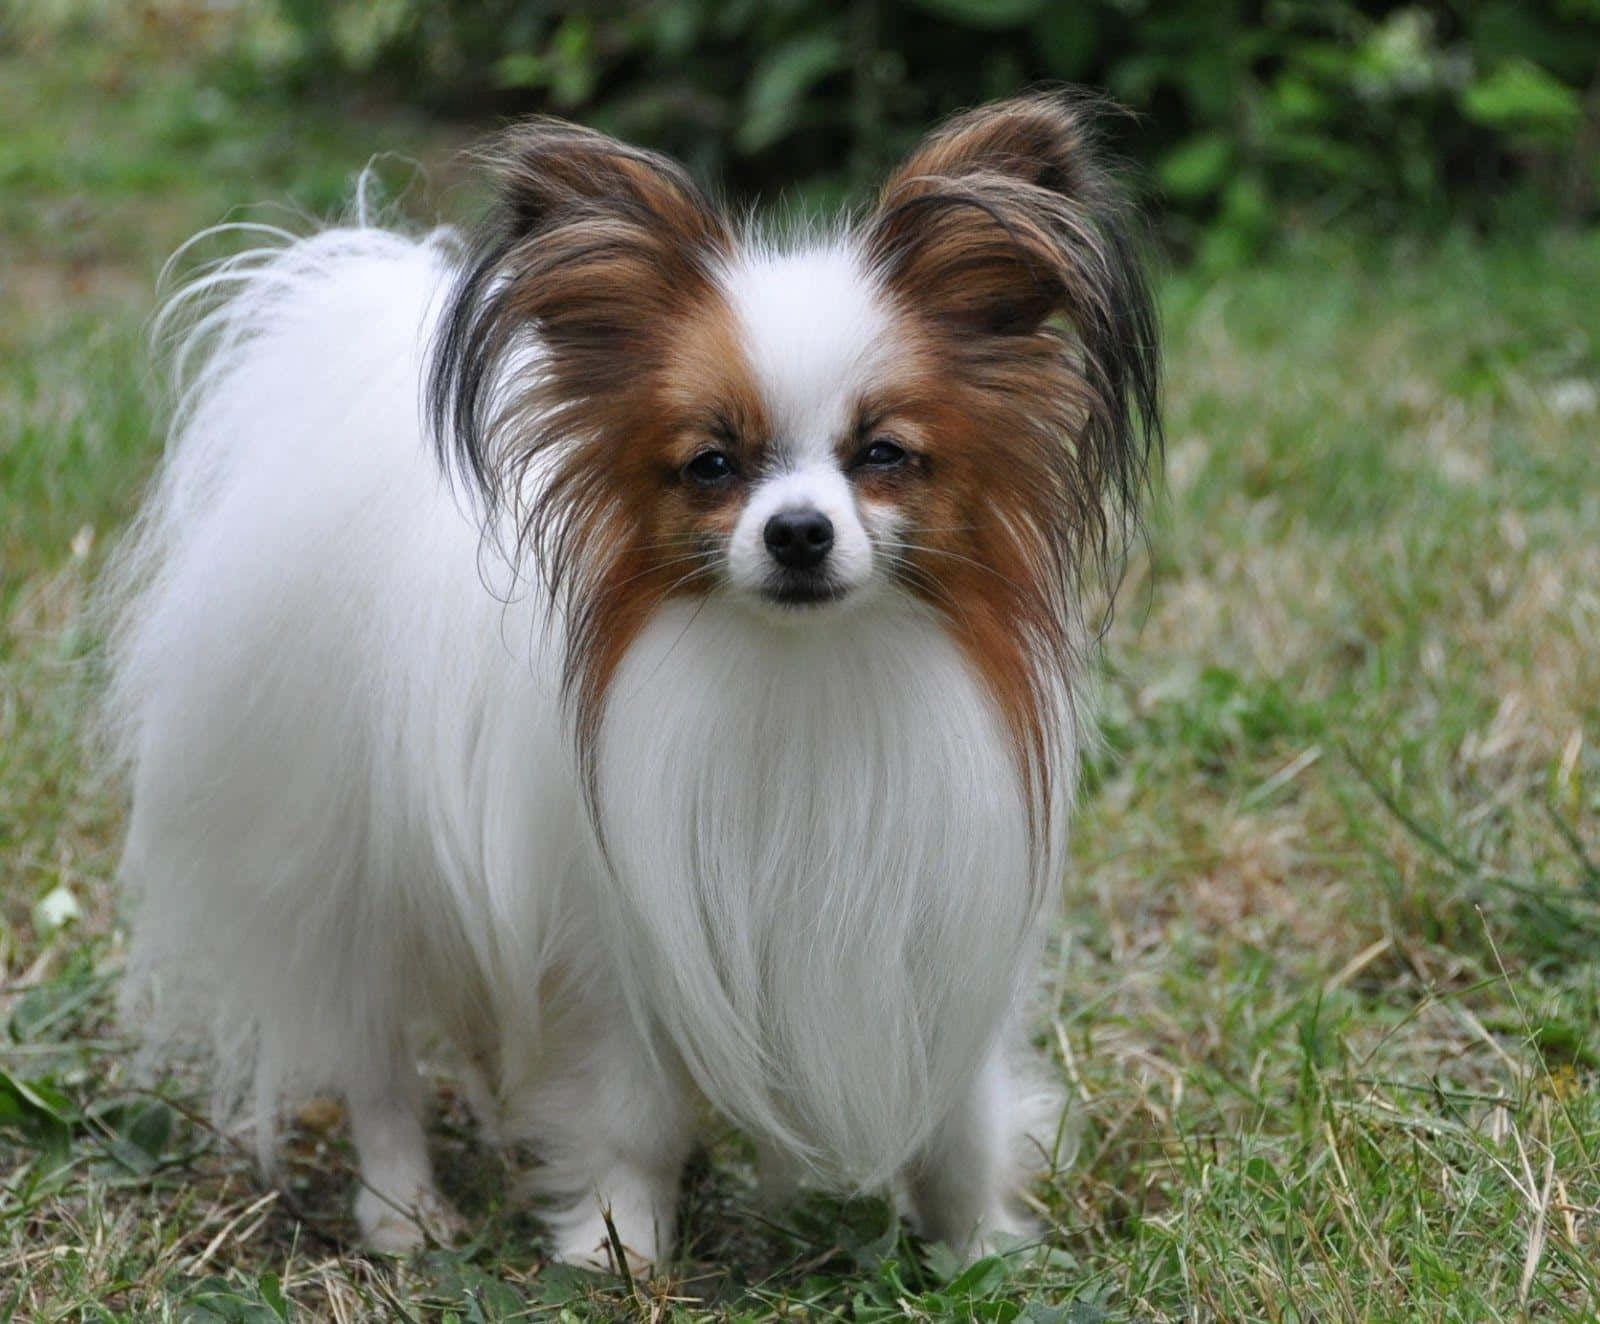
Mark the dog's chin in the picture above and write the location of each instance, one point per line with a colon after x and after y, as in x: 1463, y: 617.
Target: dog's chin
x: 797, y: 599
x: 806, y: 596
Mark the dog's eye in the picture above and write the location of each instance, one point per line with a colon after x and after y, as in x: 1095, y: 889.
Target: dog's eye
x: 881, y: 454
x: 709, y: 468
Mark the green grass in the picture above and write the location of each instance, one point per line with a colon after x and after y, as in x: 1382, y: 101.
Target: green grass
x: 1326, y: 987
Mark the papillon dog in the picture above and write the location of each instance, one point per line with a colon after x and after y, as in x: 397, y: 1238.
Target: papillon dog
x: 644, y: 657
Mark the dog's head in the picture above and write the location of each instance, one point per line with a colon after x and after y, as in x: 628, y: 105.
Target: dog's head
x: 951, y: 398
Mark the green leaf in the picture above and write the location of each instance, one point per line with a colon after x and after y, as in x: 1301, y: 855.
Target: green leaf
x: 573, y: 73
x: 674, y: 28
x: 1297, y: 98
x: 979, y: 1277
x: 1197, y: 168
x: 1246, y: 205
x: 1520, y: 97
x: 54, y: 1005
x: 944, y: 1261
x: 272, y: 1293
x: 521, y: 69
x: 475, y: 1296
x: 214, y: 1300
x: 779, y: 83
x: 1260, y: 1171
x: 566, y: 67
x: 151, y: 1128
x: 1082, y: 1311
x: 1398, y: 56
x: 135, y: 1134
x: 34, y: 1106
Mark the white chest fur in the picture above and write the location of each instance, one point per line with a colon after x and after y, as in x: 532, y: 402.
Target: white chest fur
x: 821, y: 867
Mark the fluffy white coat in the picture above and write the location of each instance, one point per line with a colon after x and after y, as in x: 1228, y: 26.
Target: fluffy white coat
x: 358, y: 826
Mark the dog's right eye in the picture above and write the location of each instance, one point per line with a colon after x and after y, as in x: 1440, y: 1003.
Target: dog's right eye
x: 710, y: 468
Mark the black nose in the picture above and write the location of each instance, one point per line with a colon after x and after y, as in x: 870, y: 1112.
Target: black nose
x: 798, y: 539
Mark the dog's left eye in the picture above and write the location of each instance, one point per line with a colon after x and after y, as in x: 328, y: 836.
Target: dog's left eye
x: 710, y: 468
x: 881, y: 454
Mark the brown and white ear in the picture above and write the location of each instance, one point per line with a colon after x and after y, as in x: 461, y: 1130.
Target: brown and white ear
x: 1043, y: 139
x: 594, y: 248
x: 1007, y: 223
x: 1006, y: 215
x: 552, y: 172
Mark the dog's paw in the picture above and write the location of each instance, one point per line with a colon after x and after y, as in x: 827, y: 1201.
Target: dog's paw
x: 587, y: 1245
x: 999, y: 1232
x: 632, y: 1214
x: 1005, y: 1237
x: 390, y: 1227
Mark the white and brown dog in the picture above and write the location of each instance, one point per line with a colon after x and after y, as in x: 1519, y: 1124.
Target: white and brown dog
x: 643, y: 654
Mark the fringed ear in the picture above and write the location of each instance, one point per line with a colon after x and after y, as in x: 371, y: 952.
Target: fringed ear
x: 592, y: 251
x: 567, y: 317
x: 1005, y: 224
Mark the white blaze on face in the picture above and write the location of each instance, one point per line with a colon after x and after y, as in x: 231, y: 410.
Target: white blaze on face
x: 816, y: 330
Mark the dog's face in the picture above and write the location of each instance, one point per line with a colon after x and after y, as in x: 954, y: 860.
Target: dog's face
x: 778, y: 481
x: 942, y: 400
x: 815, y: 450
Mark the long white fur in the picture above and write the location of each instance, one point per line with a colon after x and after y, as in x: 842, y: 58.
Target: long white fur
x: 357, y: 821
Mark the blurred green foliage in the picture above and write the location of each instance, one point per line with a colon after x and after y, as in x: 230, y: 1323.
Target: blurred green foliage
x: 1251, y: 115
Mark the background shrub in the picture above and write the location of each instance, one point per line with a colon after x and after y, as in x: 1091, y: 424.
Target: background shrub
x: 1252, y: 114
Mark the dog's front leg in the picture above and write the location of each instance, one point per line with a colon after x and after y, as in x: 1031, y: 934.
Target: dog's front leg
x: 398, y: 1205
x: 613, y: 1129
x: 963, y: 1186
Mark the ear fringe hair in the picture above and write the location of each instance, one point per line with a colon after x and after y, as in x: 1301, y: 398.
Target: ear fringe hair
x: 1028, y: 175
x: 580, y: 277
x: 567, y: 195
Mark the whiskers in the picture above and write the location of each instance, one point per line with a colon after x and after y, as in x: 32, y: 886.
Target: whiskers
x: 901, y: 549
x: 703, y: 562
x: 919, y: 578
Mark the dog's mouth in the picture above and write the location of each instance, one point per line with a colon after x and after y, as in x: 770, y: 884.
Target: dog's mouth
x: 805, y: 591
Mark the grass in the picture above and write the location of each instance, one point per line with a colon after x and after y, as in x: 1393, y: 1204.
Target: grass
x: 1326, y: 987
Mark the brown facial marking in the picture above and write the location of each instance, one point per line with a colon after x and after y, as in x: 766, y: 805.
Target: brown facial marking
x: 668, y: 531
x: 1030, y: 371
x: 608, y: 255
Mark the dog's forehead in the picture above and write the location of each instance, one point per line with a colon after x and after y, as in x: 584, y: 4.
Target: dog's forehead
x: 816, y: 329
